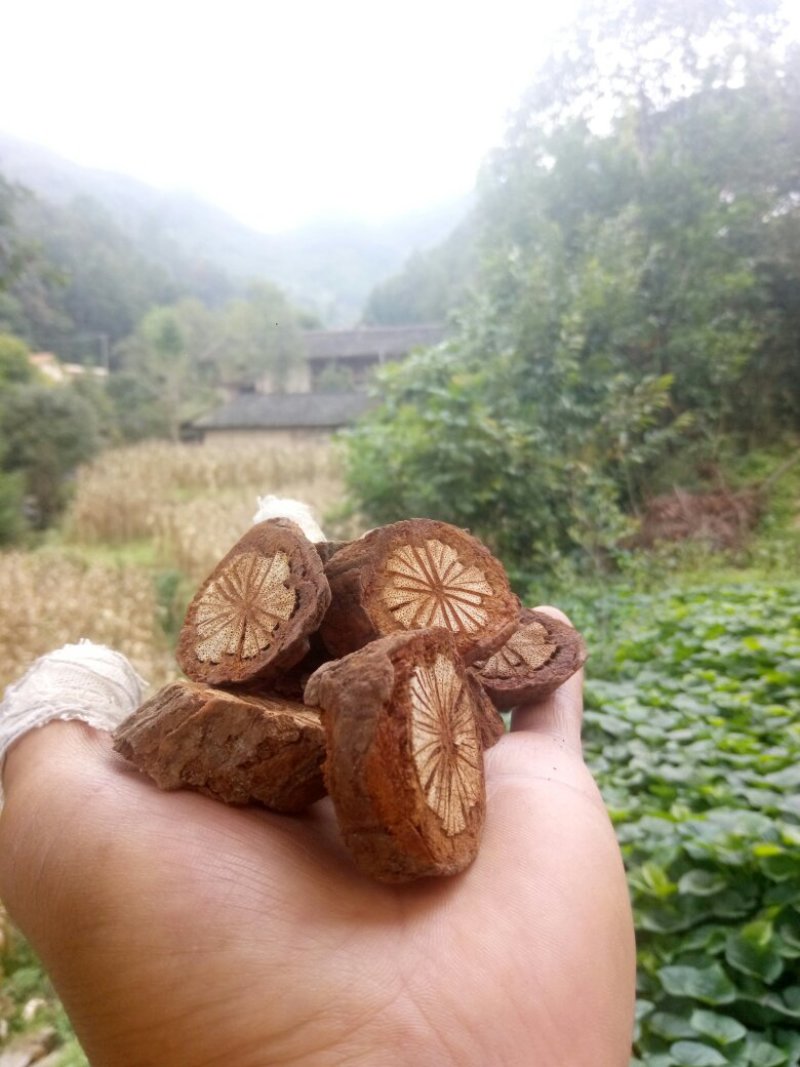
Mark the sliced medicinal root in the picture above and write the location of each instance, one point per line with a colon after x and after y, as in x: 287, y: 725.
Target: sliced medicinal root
x: 536, y: 659
x: 238, y: 749
x: 252, y: 616
x: 326, y: 550
x: 416, y: 574
x: 405, y: 757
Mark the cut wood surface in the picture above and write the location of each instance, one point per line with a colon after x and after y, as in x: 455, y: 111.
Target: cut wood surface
x: 404, y: 760
x: 236, y: 748
x: 415, y: 574
x: 539, y: 657
x: 252, y: 616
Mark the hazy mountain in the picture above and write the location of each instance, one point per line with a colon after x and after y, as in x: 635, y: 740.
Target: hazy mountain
x: 328, y: 267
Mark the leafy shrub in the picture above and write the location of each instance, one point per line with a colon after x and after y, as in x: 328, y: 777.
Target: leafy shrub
x: 12, y: 522
x: 519, y: 447
x: 46, y: 433
x: 695, y: 739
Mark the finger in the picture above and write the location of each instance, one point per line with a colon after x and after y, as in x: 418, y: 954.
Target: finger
x: 42, y: 819
x: 42, y: 750
x: 559, y: 715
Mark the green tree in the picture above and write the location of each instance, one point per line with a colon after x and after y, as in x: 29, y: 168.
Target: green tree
x: 261, y: 337
x: 432, y: 283
x: 15, y: 364
x: 629, y: 293
x: 11, y: 249
x: 166, y: 371
x: 46, y: 432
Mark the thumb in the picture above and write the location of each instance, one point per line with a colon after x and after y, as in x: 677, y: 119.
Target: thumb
x: 560, y: 713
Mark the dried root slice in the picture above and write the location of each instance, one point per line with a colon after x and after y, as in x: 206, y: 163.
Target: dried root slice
x: 238, y: 749
x: 251, y: 617
x: 292, y: 683
x: 404, y: 764
x: 415, y: 574
x: 490, y: 722
x: 326, y: 550
x: 536, y: 659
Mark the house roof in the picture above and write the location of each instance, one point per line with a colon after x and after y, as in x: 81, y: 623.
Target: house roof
x: 380, y: 341
x: 276, y: 411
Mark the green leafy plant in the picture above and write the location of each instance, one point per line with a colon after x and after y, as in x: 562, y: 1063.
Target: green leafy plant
x: 695, y: 738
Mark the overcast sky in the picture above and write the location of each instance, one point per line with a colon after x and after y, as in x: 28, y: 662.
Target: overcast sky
x: 279, y: 112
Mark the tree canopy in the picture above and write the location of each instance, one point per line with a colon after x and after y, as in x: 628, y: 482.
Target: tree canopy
x: 637, y: 257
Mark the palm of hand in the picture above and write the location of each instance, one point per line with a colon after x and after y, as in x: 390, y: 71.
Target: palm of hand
x: 209, y: 935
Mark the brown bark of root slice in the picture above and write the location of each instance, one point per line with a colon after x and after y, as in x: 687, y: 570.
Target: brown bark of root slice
x: 235, y: 748
x: 326, y: 550
x: 415, y: 574
x: 404, y: 764
x: 251, y: 617
x: 536, y: 659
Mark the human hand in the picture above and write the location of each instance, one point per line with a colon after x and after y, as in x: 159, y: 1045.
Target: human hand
x: 179, y: 931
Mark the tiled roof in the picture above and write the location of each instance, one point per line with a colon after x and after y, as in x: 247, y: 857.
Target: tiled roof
x: 381, y: 341
x: 262, y: 411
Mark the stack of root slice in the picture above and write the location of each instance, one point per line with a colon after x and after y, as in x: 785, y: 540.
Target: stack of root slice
x: 403, y: 645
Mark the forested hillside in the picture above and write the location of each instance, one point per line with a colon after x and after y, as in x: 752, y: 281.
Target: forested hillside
x: 167, y: 341
x: 626, y: 318
x: 328, y: 268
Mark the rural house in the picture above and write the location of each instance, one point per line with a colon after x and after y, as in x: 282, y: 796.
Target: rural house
x: 355, y: 353
x: 284, y: 417
x: 330, y: 387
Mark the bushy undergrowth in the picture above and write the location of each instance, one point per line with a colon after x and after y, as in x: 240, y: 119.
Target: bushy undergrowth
x: 695, y: 738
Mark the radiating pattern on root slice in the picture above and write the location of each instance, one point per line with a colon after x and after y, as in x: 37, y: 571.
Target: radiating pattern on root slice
x: 526, y: 650
x: 241, y: 609
x: 429, y: 586
x: 444, y: 743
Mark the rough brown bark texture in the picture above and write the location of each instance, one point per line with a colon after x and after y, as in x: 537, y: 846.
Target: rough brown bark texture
x: 404, y: 760
x: 414, y: 574
x: 236, y: 748
x: 252, y: 616
x: 539, y: 657
x: 326, y: 550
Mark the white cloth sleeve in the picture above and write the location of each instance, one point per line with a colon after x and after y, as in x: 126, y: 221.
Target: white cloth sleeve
x: 84, y: 681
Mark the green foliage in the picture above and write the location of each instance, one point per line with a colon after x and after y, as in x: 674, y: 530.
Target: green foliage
x: 631, y: 311
x: 431, y: 284
x: 335, y: 379
x: 519, y: 448
x: 695, y: 738
x: 11, y: 248
x: 173, y: 593
x: 82, y: 286
x: 260, y: 337
x: 12, y: 496
x: 22, y: 979
x: 171, y: 367
x: 46, y: 432
x: 15, y: 365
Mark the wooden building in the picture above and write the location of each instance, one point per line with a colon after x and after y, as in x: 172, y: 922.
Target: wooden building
x: 328, y: 388
x: 283, y: 418
x: 356, y: 353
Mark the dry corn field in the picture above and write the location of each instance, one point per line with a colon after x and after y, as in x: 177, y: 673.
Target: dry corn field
x: 138, y: 513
